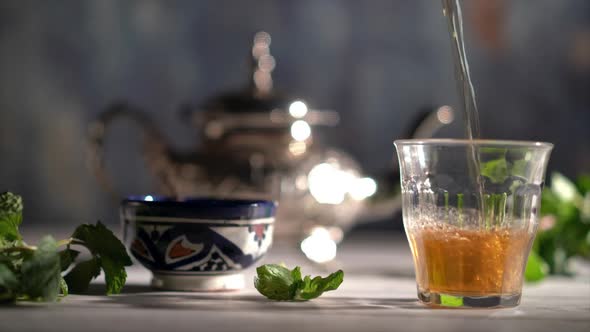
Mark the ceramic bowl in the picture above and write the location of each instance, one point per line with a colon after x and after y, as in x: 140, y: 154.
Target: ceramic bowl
x: 197, y: 244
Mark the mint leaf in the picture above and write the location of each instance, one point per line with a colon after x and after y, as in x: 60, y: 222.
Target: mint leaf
x: 296, y: 274
x: 583, y: 183
x: 312, y: 288
x: 41, y: 272
x: 585, y: 210
x: 80, y: 276
x: 63, y: 286
x: 9, y: 227
x: 333, y: 281
x: 10, y: 203
x: 108, y: 253
x: 115, y: 275
x: 8, y: 284
x: 102, y: 242
x: 11, y: 216
x: 536, y: 268
x: 277, y: 282
x: 451, y: 301
x: 495, y: 170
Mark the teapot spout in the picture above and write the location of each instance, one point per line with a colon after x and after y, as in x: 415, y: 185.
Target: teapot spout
x: 154, y: 144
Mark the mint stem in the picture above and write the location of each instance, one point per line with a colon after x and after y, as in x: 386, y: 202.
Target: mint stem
x: 70, y: 241
x: 64, y: 242
x: 19, y: 248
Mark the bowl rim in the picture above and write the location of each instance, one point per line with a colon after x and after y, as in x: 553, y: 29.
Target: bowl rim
x: 197, y: 208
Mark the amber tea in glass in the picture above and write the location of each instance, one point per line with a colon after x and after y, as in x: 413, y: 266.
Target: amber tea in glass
x: 470, y: 213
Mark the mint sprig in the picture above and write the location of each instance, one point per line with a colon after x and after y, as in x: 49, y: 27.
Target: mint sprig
x: 40, y: 274
x: 8, y: 284
x: 564, y: 227
x: 277, y: 282
x: 11, y: 216
x: 108, y: 253
x: 43, y: 272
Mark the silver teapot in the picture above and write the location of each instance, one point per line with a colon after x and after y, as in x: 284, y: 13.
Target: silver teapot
x: 257, y: 143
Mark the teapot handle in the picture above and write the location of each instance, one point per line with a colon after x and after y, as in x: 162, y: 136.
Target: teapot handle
x: 154, y: 145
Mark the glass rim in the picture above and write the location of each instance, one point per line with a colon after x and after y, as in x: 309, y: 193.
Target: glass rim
x: 478, y: 142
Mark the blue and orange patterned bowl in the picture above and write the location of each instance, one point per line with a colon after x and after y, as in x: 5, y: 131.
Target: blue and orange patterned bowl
x: 197, y: 244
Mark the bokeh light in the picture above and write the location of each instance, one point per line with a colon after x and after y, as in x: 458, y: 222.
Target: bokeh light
x: 300, y: 130
x: 298, y: 109
x: 319, y: 246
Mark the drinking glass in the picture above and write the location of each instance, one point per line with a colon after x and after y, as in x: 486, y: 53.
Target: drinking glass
x: 470, y: 210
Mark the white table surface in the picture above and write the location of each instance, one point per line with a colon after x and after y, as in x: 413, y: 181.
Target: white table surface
x: 378, y: 294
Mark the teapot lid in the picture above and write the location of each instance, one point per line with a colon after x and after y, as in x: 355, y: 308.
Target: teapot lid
x: 257, y: 105
x: 259, y: 96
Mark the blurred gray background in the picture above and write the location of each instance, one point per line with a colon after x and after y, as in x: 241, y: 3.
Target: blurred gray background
x: 376, y: 62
